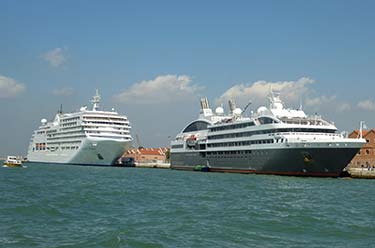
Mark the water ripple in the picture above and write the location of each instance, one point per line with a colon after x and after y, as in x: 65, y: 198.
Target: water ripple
x: 72, y: 206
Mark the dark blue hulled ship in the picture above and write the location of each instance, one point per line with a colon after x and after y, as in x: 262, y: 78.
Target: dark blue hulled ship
x: 274, y: 140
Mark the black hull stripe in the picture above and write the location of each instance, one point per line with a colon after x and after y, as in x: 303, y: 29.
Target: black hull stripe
x: 281, y: 173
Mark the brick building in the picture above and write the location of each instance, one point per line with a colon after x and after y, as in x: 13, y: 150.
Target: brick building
x: 365, y: 158
x: 147, y: 155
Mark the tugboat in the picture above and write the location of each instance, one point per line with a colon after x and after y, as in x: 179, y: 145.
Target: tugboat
x: 12, y: 161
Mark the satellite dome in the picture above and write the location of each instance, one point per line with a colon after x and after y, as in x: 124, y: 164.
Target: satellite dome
x: 262, y: 109
x: 237, y: 111
x: 219, y: 111
x: 43, y: 121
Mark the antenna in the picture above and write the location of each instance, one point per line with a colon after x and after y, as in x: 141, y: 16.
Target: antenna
x: 96, y: 101
x: 60, y: 111
x: 362, y: 125
x: 272, y: 92
x: 138, y: 141
x: 247, y: 105
x: 270, y: 95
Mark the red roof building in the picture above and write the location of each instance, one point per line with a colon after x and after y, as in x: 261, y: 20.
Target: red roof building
x: 147, y: 155
x: 365, y: 158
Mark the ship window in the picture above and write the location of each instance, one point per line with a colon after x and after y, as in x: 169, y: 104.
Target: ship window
x: 266, y: 120
x: 196, y: 126
x: 177, y: 146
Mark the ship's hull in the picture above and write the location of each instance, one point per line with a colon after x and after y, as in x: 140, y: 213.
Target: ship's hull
x: 321, y: 162
x: 93, y: 151
x: 11, y: 165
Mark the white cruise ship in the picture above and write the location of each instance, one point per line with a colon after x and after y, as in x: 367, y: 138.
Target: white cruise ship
x: 87, y: 137
x: 274, y: 140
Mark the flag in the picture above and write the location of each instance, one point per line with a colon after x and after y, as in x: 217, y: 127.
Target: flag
x: 364, y: 125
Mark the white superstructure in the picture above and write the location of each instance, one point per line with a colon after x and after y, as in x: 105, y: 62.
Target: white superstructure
x: 87, y: 137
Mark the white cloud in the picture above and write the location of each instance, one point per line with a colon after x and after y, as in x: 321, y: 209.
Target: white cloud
x: 327, y: 104
x: 314, y: 101
x: 368, y: 105
x: 319, y: 101
x: 55, y: 57
x: 162, y: 89
x: 66, y: 91
x: 9, y: 87
x: 344, y: 107
x: 292, y: 93
x: 257, y: 92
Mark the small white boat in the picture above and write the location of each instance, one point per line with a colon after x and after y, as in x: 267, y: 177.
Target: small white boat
x: 12, y: 161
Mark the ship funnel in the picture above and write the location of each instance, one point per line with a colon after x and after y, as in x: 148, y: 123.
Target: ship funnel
x: 205, y: 108
x: 204, y: 103
x: 232, y: 105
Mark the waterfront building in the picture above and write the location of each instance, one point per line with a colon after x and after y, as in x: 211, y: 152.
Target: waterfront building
x: 365, y: 157
x: 147, y: 155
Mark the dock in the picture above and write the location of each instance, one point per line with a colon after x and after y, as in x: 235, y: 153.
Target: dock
x: 368, y: 173
x: 158, y: 165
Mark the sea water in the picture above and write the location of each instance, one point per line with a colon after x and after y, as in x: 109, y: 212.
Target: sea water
x: 82, y: 206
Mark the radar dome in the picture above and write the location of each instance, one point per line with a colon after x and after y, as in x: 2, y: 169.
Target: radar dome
x: 43, y: 121
x: 237, y: 111
x: 261, y: 110
x: 219, y: 111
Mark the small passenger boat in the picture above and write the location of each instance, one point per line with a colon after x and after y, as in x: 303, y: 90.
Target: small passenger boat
x: 12, y: 161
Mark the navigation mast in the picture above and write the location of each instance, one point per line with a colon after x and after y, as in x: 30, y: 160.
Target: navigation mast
x: 96, y: 101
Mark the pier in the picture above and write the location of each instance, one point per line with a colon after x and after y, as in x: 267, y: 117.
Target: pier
x: 368, y: 173
x: 158, y: 165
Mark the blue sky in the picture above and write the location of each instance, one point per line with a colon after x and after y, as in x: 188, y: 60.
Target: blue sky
x: 163, y: 55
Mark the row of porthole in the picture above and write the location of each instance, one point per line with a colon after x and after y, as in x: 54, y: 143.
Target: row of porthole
x: 367, y: 152
x: 242, y: 143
